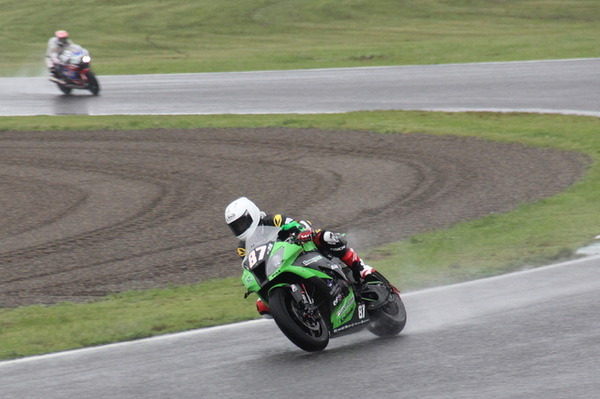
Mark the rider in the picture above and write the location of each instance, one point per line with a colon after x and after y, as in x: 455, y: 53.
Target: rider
x: 56, y: 45
x: 243, y: 217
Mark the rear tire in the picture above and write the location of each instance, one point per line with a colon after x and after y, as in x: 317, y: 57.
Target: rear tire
x: 306, y: 332
x: 66, y: 90
x: 389, y: 319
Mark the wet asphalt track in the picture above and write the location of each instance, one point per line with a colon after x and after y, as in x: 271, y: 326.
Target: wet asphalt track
x: 531, y: 335
x: 565, y: 86
x: 527, y: 335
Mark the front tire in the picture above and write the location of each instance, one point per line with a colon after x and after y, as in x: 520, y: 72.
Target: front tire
x: 92, y: 82
x: 307, y: 330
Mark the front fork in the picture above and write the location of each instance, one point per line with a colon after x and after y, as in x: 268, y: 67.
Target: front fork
x: 83, y: 73
x: 305, y: 301
x: 300, y: 296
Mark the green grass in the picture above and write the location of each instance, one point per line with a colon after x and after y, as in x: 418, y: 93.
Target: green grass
x: 151, y: 36
x: 122, y: 317
x: 547, y: 231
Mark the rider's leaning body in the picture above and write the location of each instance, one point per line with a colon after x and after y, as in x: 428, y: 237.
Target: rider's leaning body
x: 57, y: 44
x: 243, y: 217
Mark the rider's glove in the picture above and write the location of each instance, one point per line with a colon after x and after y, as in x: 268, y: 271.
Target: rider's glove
x: 301, y: 231
x: 305, y: 236
x: 289, y: 229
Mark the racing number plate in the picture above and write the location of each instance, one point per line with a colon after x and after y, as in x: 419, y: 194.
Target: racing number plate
x: 258, y: 255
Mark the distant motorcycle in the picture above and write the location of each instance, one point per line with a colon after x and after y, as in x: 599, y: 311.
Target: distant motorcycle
x: 75, y: 71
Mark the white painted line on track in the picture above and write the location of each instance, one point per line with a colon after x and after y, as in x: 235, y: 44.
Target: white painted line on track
x: 457, y: 110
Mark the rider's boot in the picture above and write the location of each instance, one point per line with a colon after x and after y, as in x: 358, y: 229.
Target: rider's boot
x: 55, y: 76
x: 361, y: 271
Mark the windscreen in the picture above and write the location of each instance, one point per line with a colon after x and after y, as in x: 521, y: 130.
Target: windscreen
x: 262, y: 235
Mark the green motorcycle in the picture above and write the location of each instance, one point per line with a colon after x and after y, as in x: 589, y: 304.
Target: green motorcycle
x: 313, y: 297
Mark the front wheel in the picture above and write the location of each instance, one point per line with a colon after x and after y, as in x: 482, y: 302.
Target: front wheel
x: 306, y: 329
x: 92, y: 82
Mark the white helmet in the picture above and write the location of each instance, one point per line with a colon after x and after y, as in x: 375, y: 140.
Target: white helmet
x: 242, y: 216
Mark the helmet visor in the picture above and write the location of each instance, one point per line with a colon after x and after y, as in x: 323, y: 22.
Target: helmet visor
x: 241, y: 224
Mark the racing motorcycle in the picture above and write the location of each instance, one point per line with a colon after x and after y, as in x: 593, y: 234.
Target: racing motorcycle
x: 75, y: 71
x: 313, y: 297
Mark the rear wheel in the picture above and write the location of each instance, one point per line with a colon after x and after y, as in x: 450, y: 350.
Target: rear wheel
x: 390, y: 318
x: 306, y: 329
x: 66, y: 90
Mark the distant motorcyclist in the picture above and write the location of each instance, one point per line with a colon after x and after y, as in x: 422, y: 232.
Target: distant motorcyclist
x: 56, y: 45
x: 243, y: 217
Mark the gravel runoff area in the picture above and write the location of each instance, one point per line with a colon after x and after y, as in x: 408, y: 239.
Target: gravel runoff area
x: 95, y: 212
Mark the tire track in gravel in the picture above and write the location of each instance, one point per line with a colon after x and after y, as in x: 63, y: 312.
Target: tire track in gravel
x: 90, y: 213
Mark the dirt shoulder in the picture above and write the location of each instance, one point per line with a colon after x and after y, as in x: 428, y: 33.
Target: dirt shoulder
x: 89, y: 213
